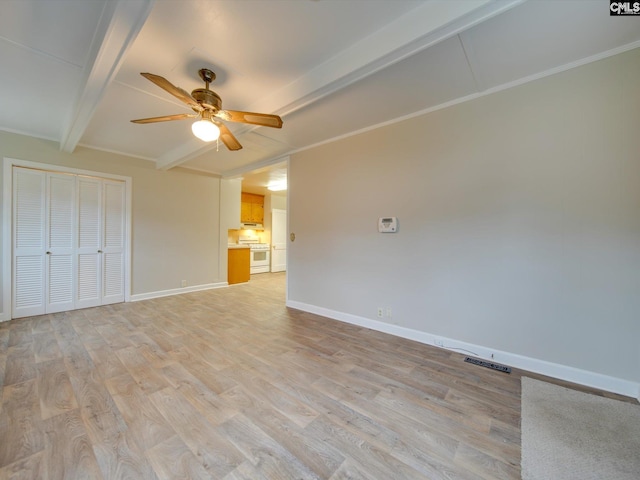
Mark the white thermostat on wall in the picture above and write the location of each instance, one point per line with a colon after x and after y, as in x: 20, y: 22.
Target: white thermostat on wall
x: 387, y: 224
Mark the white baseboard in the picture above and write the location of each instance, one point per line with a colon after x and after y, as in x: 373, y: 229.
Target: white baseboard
x: 177, y: 291
x: 5, y: 316
x: 555, y: 370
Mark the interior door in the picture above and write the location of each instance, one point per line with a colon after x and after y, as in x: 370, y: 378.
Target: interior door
x: 43, y: 227
x: 101, y: 245
x: 113, y: 246
x: 278, y: 240
x: 89, y: 262
x: 29, y: 242
x: 59, y: 255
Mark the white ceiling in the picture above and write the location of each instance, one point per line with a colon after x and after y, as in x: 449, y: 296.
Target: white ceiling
x: 71, y: 68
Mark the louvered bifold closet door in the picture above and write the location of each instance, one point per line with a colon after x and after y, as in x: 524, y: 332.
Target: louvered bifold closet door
x: 113, y: 246
x: 59, y: 256
x: 89, y: 251
x: 68, y: 241
x: 29, y: 209
x: 43, y: 226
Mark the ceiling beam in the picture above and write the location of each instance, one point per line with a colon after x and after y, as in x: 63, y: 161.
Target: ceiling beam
x: 255, y: 166
x: 119, y: 25
x: 409, y: 34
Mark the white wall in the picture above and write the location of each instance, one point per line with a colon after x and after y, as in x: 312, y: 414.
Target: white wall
x: 519, y: 223
x: 175, y: 214
x: 278, y: 201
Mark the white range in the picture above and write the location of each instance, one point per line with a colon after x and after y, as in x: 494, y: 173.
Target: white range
x: 260, y: 253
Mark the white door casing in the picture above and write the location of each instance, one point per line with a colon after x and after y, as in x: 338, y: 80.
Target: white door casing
x: 278, y: 240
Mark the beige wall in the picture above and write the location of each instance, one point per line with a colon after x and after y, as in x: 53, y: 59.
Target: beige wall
x: 175, y: 214
x: 279, y: 201
x: 519, y: 221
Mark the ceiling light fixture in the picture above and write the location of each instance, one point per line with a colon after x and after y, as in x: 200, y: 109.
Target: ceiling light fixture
x: 277, y: 186
x: 205, y: 129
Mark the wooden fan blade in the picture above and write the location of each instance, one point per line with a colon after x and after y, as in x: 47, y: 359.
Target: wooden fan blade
x: 227, y: 137
x: 177, y: 92
x: 166, y: 118
x: 253, y: 118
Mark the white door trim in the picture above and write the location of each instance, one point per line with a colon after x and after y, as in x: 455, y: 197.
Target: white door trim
x: 7, y: 224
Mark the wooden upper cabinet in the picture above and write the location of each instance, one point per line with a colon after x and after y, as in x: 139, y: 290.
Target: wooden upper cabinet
x: 257, y: 213
x: 252, y: 208
x: 245, y: 212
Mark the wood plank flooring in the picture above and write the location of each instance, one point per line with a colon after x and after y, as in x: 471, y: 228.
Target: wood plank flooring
x: 230, y: 384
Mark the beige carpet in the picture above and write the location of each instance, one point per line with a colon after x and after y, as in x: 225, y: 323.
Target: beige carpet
x: 569, y: 435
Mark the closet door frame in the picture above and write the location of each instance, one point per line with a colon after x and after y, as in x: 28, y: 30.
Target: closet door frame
x: 7, y: 223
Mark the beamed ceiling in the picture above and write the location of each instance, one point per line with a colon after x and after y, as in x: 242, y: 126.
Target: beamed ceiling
x: 71, y: 68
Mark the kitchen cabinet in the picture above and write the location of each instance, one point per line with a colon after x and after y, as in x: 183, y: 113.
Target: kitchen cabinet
x: 238, y: 266
x: 252, y: 208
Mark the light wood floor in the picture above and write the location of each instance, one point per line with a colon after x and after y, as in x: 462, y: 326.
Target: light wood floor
x: 230, y: 384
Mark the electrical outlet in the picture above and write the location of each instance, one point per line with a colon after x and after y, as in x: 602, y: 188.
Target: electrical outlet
x: 438, y: 342
x: 183, y: 283
x: 380, y: 312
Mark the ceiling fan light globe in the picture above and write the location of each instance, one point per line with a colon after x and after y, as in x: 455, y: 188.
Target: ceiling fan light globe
x: 205, y: 130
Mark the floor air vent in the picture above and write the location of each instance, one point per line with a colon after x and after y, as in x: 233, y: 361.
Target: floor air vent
x: 494, y: 366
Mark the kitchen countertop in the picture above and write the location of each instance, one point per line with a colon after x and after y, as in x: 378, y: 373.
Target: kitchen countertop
x: 235, y: 245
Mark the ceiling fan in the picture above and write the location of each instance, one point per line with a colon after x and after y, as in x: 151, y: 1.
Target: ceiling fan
x: 208, y: 107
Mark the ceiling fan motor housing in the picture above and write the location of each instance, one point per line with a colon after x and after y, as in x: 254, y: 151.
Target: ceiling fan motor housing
x: 208, y: 99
